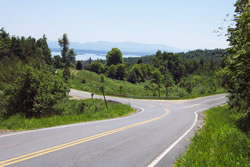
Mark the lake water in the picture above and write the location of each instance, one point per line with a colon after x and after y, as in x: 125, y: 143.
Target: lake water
x: 92, y: 56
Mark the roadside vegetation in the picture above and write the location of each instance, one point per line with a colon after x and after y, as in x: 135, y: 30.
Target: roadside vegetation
x: 71, y: 111
x: 224, y: 139
x: 32, y: 95
x: 219, y: 143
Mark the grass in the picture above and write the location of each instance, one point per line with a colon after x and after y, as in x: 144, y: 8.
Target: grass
x: 112, y: 86
x: 74, y: 111
x: 91, y: 82
x: 219, y: 143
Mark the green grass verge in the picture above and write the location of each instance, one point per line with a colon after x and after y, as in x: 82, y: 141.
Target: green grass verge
x: 91, y: 82
x: 218, y: 144
x: 74, y: 111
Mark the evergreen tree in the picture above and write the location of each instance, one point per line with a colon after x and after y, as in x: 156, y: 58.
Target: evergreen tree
x: 79, y: 65
x: 64, y: 44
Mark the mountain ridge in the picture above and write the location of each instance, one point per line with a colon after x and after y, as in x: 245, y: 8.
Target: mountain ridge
x: 123, y: 46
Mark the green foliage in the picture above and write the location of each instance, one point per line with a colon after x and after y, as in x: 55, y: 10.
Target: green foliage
x: 34, y: 93
x: 136, y: 90
x: 58, y: 62
x: 64, y: 44
x: 219, y: 143
x: 112, y: 86
x: 156, y: 79
x: 66, y: 74
x: 114, y: 57
x: 237, y: 64
x: 141, y: 71
x: 68, y: 55
x: 134, y: 60
x: 79, y: 65
x: 102, y: 79
x: 24, y: 49
x: 96, y: 67
x: 111, y: 71
x: 139, y: 61
x: 121, y: 71
x: 73, y: 111
x: 42, y: 43
x: 132, y: 77
x: 28, y: 85
x: 201, y: 84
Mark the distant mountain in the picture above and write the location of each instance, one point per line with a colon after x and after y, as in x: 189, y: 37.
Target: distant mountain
x: 123, y: 46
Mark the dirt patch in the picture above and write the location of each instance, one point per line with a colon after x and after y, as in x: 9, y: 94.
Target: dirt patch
x: 200, y: 121
x: 2, y: 131
x: 77, y: 98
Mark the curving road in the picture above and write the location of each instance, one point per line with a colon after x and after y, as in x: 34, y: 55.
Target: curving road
x: 153, y: 137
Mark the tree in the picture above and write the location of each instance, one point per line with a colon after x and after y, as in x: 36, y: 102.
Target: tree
x: 132, y: 77
x: 114, y: 57
x: 237, y: 63
x: 121, y: 71
x: 64, y: 44
x: 139, y: 61
x: 35, y: 93
x: 58, y: 61
x: 46, y: 53
x: 72, y: 56
x: 96, y: 67
x: 79, y: 65
x: 66, y: 74
x: 68, y: 55
x: 111, y: 71
x: 140, y: 72
x: 156, y: 78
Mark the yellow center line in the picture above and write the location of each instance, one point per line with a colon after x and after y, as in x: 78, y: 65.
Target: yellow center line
x: 76, y: 142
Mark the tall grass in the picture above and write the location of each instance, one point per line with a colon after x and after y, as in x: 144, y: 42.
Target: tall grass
x: 74, y: 111
x: 219, y: 143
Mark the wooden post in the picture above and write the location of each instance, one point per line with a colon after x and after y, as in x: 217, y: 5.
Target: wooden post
x: 102, y: 90
x: 121, y: 87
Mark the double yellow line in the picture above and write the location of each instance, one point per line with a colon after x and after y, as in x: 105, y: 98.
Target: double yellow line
x: 73, y: 143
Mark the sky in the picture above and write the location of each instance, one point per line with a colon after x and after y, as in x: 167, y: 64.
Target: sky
x: 184, y: 24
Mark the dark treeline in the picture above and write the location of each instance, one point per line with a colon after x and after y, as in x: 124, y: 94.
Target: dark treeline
x: 205, y: 55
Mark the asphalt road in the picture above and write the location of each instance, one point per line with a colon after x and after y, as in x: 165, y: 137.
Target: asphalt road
x: 155, y: 136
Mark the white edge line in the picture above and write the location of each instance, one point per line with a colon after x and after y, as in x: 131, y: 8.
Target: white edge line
x: 75, y: 124
x: 167, y: 150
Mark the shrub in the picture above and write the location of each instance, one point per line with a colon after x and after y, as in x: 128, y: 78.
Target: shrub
x: 83, y: 81
x: 35, y: 93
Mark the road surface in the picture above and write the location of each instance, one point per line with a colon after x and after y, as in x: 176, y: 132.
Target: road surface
x: 155, y: 136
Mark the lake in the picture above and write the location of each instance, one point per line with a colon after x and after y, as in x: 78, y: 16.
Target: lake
x: 92, y: 56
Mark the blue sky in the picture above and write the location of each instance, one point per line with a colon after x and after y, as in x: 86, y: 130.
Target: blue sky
x: 184, y: 24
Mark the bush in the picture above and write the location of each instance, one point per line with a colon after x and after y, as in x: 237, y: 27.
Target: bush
x: 96, y: 67
x: 35, y: 93
x: 83, y: 81
x: 102, y: 78
x: 111, y: 71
